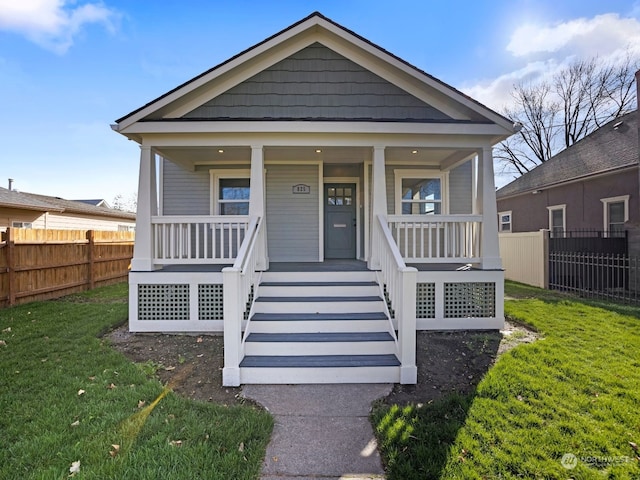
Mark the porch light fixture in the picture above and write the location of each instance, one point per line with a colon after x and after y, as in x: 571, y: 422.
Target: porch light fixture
x: 318, y: 150
x: 220, y: 151
x: 414, y: 151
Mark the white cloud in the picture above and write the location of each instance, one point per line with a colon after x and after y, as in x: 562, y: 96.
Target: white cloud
x: 52, y: 24
x: 595, y: 35
x: 542, y: 50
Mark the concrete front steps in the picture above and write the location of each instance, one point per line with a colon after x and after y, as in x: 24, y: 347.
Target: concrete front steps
x: 319, y: 327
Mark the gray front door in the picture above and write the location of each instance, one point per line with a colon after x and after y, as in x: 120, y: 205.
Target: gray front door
x: 339, y: 220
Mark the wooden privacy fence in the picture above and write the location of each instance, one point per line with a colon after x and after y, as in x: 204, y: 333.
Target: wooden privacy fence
x: 44, y: 264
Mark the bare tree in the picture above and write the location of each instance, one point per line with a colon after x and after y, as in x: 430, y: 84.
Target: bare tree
x: 555, y: 114
x: 128, y: 204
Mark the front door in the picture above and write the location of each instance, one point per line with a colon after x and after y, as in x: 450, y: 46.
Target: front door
x: 339, y: 220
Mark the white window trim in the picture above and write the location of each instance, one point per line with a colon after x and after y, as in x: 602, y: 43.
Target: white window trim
x: 605, y: 209
x: 20, y: 224
x: 399, y: 174
x: 500, y: 223
x: 562, y: 207
x: 215, y: 176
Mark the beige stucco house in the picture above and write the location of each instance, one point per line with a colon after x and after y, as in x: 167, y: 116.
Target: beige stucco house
x: 30, y: 210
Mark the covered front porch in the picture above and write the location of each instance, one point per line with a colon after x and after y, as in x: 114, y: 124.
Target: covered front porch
x: 414, y: 264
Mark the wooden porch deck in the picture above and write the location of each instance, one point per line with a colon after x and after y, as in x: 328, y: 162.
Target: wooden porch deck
x: 326, y: 266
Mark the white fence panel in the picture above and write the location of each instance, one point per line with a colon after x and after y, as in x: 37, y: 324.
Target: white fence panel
x: 524, y: 257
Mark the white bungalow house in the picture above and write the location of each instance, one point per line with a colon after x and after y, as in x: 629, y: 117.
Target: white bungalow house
x: 317, y: 199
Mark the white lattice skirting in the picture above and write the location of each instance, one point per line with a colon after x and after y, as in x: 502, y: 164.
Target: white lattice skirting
x: 460, y: 300
x: 193, y: 301
x: 175, y: 302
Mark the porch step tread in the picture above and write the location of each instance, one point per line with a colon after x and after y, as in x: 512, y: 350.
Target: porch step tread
x: 320, y: 361
x: 288, y: 317
x: 321, y: 337
x: 320, y: 299
x: 319, y: 284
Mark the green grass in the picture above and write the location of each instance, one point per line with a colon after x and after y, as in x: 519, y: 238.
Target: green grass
x: 52, y: 350
x: 576, y: 391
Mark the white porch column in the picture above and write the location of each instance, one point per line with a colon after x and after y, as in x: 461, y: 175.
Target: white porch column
x: 256, y: 199
x: 147, y: 207
x: 378, y: 203
x: 486, y: 202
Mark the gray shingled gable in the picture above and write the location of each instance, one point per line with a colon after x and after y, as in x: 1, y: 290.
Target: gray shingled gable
x: 607, y: 149
x: 317, y: 16
x: 319, y: 84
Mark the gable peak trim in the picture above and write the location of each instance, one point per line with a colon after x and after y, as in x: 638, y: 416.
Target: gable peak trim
x: 317, y: 19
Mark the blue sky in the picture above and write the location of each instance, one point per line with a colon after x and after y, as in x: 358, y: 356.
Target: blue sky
x: 68, y: 69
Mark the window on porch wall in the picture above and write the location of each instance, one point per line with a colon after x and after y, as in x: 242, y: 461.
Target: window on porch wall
x: 230, y: 191
x: 421, y: 196
x: 234, y: 196
x: 420, y: 192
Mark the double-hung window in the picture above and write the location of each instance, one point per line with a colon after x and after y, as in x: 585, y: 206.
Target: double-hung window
x: 504, y: 221
x: 615, y: 213
x: 419, y: 192
x: 230, y: 192
x: 233, y: 196
x: 557, y: 220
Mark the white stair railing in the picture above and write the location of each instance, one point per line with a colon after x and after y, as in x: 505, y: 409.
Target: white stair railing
x: 437, y: 238
x: 400, y: 282
x: 240, y: 284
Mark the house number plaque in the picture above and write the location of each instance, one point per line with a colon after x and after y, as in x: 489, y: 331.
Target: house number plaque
x: 301, y: 189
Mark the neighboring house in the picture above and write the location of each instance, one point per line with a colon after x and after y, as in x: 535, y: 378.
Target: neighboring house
x: 298, y: 184
x: 98, y: 202
x: 592, y: 185
x: 28, y: 210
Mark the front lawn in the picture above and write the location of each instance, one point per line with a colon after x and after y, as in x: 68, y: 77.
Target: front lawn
x: 66, y: 396
x: 565, y: 406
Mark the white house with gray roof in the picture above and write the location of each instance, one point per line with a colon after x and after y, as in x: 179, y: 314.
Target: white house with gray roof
x: 318, y: 200
x: 30, y: 210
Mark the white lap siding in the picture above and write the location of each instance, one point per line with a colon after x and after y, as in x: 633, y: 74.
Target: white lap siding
x: 292, y: 219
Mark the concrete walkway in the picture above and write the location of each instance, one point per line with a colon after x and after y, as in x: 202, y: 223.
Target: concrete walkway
x: 322, y: 432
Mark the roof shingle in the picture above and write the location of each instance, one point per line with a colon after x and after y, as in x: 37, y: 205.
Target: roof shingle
x: 612, y: 147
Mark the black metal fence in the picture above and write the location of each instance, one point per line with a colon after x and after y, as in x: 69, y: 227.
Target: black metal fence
x: 594, y: 263
x: 588, y: 241
x: 607, y: 276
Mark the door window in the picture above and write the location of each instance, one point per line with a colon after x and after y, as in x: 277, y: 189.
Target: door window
x: 339, y: 196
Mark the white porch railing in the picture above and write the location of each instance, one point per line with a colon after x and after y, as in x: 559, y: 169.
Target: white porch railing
x: 197, y: 239
x: 239, y: 288
x: 437, y: 238
x: 400, y: 282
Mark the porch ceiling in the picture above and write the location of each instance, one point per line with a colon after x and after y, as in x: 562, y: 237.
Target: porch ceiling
x: 192, y: 156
